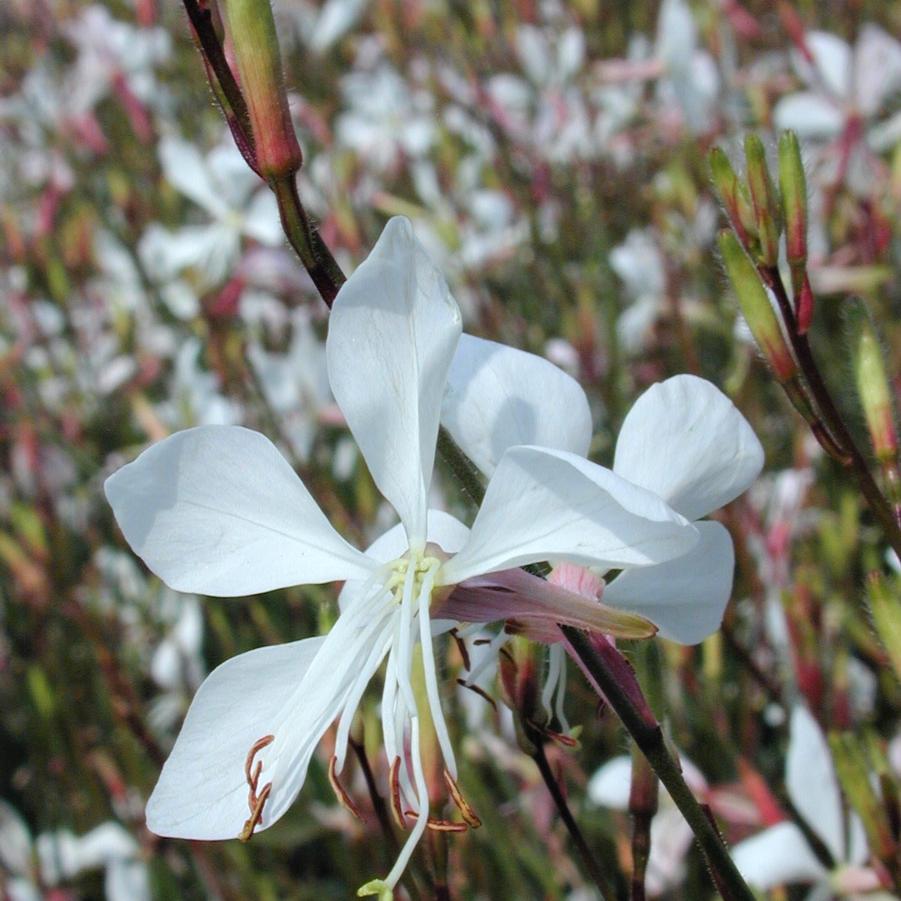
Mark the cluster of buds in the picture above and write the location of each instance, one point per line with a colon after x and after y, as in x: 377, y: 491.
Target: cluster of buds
x: 762, y: 216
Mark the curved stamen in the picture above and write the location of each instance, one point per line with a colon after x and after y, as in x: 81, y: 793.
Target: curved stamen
x: 431, y: 676
x: 468, y: 814
x: 252, y: 774
x: 422, y: 791
x: 340, y: 791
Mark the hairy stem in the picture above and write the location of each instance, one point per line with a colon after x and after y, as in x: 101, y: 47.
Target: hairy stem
x: 645, y: 730
x: 854, y: 459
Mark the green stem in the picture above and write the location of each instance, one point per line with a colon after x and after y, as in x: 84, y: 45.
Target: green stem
x: 308, y: 245
x: 833, y: 419
x: 646, y: 731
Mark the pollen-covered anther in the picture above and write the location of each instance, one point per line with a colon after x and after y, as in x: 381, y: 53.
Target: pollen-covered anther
x: 437, y: 825
x: 340, y: 792
x: 255, y: 801
x: 394, y: 783
x: 468, y: 814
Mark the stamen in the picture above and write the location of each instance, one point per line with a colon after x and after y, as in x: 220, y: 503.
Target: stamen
x: 256, y: 814
x: 252, y: 775
x: 394, y: 783
x: 255, y: 749
x: 437, y: 825
x: 468, y: 814
x: 343, y: 797
x: 461, y: 647
x: 479, y: 691
x: 431, y: 676
x: 422, y: 792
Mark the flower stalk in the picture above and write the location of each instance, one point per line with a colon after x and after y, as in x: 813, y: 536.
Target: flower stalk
x: 793, y: 362
x: 609, y: 676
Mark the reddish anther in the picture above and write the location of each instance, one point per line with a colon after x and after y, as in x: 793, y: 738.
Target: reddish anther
x: 340, y: 792
x: 255, y: 801
x: 394, y: 782
x: 469, y: 815
x: 437, y: 825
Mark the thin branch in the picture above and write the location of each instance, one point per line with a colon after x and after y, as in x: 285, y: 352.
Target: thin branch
x: 591, y: 865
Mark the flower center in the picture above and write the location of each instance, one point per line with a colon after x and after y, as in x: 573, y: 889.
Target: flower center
x: 421, y: 567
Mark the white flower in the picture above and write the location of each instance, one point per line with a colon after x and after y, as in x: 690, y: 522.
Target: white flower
x: 781, y: 855
x: 844, y: 84
x: 846, y: 91
x: 217, y: 510
x: 639, y: 263
x: 229, y: 192
x: 682, y: 440
x: 62, y: 856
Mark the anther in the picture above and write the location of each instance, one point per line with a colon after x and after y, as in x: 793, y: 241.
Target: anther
x: 255, y: 801
x: 468, y: 814
x: 437, y: 825
x: 479, y: 691
x: 255, y: 749
x: 341, y: 793
x: 256, y: 814
x: 394, y: 782
x: 461, y: 647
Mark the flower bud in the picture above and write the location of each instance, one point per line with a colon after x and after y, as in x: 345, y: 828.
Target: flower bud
x: 733, y: 195
x: 763, y: 200
x: 252, y: 31
x: 885, y: 610
x: 793, y: 189
x: 873, y: 386
x: 756, y: 307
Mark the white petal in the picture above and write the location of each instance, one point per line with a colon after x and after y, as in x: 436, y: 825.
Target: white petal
x: 498, y: 397
x: 127, y: 880
x: 15, y: 841
x: 810, y: 115
x: 684, y: 440
x: 811, y: 781
x: 685, y: 597
x: 877, y: 68
x: 202, y: 791
x: 671, y: 837
x: 779, y: 855
x: 832, y: 56
x: 611, y: 784
x: 218, y: 510
x: 261, y: 221
x: 392, y: 335
x: 543, y: 504
x: 187, y: 171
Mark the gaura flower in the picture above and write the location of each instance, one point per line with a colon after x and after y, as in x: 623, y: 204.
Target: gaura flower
x: 683, y: 440
x: 217, y: 510
x: 781, y: 854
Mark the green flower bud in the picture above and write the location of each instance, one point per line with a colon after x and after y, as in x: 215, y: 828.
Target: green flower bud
x: 252, y: 32
x: 733, y: 195
x: 756, y: 307
x: 793, y: 191
x: 764, y: 201
x: 873, y: 386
